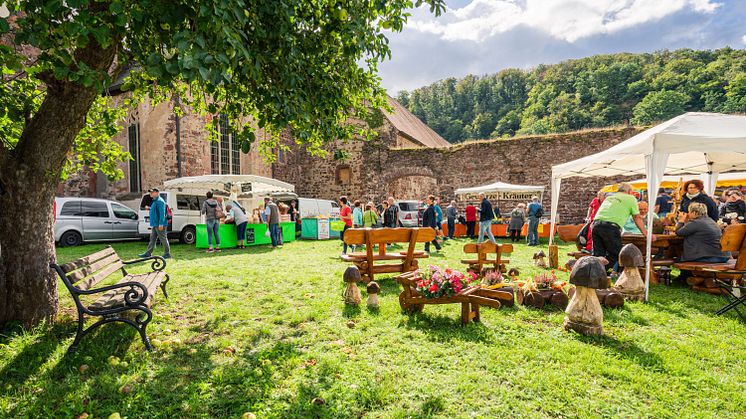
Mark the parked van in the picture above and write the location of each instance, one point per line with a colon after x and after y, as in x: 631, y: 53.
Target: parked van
x: 409, y: 213
x: 182, y: 219
x: 81, y: 220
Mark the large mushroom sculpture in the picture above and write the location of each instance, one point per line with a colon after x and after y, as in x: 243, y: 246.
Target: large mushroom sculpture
x: 352, y: 292
x: 584, y: 314
x: 630, y: 283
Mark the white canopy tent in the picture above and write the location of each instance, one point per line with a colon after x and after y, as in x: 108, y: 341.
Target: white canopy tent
x: 501, y: 190
x: 692, y: 143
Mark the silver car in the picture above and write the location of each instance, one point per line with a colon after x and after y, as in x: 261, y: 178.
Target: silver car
x: 79, y: 220
x: 408, y: 213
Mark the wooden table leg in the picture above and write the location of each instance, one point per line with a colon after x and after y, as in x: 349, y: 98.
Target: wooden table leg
x: 475, y: 310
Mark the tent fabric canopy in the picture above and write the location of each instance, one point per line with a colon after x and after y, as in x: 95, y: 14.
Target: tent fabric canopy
x: 724, y: 180
x: 499, y: 187
x: 257, y: 184
x: 692, y: 143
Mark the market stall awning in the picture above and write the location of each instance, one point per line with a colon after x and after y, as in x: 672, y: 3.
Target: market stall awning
x: 724, y: 180
x: 501, y: 191
x: 693, y: 143
x: 246, y: 184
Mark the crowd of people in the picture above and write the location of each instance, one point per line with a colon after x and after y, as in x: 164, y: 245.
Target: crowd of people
x: 356, y: 214
x: 699, y: 221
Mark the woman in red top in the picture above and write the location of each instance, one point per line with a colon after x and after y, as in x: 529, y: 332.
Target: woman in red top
x: 471, y: 219
x: 346, y: 215
x: 592, y: 210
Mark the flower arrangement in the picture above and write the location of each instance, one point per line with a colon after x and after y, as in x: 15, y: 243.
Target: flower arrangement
x: 493, y: 278
x: 543, y: 281
x: 436, y: 282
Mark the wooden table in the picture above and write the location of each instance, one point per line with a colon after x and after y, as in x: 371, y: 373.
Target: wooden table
x: 671, y: 244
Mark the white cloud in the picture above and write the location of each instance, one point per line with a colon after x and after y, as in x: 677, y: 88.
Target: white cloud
x: 567, y: 20
x: 744, y: 39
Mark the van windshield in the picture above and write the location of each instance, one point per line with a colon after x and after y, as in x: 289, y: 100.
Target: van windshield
x: 408, y: 206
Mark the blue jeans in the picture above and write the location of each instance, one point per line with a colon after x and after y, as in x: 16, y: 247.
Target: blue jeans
x: 533, y: 231
x: 212, y: 228
x: 241, y: 232
x: 485, y: 226
x: 274, y: 234
x: 451, y: 227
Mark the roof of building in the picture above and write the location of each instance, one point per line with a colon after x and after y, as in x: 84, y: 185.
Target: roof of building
x: 412, y: 127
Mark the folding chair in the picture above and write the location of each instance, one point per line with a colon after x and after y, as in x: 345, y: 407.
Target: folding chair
x: 735, y: 295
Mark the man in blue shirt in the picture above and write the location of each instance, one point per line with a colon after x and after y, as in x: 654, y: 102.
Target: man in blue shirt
x: 158, y: 224
x: 485, y: 219
x: 534, y: 214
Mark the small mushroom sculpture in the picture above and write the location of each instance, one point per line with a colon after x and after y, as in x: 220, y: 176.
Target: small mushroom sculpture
x: 373, y: 288
x: 539, y: 259
x: 583, y: 313
x: 514, y: 272
x: 630, y: 283
x: 352, y: 292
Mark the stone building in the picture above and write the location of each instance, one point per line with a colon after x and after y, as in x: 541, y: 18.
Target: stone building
x: 375, y: 170
x: 165, y: 146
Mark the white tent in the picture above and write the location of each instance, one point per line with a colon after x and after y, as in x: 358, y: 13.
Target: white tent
x: 244, y: 186
x: 693, y: 143
x: 500, y: 190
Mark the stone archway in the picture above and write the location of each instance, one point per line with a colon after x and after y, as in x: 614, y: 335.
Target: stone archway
x: 412, y: 183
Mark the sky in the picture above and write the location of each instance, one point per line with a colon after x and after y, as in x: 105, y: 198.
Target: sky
x: 485, y: 36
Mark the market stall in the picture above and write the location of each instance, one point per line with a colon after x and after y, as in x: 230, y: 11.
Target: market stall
x: 500, y: 192
x: 695, y: 143
x: 255, y: 234
x: 724, y: 180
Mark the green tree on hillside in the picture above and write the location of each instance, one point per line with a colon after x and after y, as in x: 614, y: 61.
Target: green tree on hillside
x: 659, y: 106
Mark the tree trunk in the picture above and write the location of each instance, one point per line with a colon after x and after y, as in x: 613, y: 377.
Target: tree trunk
x: 30, y: 173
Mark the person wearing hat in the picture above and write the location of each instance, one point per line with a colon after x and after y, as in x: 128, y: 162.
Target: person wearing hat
x: 158, y: 224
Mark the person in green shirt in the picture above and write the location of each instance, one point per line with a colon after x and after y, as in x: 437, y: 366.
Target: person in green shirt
x: 370, y: 218
x: 630, y: 227
x: 610, y: 218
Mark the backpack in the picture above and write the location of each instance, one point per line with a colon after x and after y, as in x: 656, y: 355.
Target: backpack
x: 582, y: 239
x: 539, y: 213
x: 169, y: 215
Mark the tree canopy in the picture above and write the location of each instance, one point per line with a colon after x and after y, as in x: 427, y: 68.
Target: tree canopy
x: 597, y: 91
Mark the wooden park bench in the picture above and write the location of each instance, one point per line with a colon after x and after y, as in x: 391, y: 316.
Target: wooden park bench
x: 705, y: 273
x: 470, y: 298
x: 399, y: 261
x: 483, y: 250
x: 131, y: 294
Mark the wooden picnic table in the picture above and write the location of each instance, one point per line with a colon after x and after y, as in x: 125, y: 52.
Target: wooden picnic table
x: 671, y: 244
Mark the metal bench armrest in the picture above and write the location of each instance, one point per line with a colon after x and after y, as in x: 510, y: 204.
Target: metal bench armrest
x: 131, y: 298
x: 158, y: 264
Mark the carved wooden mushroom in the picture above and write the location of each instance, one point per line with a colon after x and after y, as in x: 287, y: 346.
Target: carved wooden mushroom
x: 352, y: 292
x: 630, y: 283
x: 539, y: 259
x: 513, y: 272
x: 584, y: 314
x: 373, y: 288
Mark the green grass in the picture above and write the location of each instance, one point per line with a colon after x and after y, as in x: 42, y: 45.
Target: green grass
x: 283, y: 313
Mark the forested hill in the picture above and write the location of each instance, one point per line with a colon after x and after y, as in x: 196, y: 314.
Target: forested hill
x: 597, y: 91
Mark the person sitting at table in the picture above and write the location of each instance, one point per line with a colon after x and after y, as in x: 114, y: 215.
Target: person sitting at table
x: 630, y: 227
x: 701, y: 237
x: 695, y: 193
x: 734, y: 210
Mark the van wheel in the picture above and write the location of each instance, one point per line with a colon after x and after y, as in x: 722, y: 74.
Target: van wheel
x: 188, y: 235
x: 71, y: 238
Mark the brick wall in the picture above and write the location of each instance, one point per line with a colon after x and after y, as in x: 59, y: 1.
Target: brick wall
x: 411, y: 173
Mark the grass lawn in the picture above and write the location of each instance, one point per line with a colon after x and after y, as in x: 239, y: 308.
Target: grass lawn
x: 282, y: 312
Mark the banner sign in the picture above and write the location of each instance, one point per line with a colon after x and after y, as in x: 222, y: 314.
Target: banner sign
x: 501, y: 196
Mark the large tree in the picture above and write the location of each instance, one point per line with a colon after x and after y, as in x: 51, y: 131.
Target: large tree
x: 301, y: 65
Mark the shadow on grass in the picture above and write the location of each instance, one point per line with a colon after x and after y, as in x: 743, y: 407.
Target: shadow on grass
x: 626, y: 349
x: 440, y: 328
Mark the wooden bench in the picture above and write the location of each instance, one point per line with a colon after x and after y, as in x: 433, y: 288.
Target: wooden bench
x: 406, y: 260
x: 131, y: 294
x: 470, y: 298
x: 482, y: 251
x: 732, y: 240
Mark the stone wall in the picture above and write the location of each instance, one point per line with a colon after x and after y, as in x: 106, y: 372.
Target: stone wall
x: 406, y: 173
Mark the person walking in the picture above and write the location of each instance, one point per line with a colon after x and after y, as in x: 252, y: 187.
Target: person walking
x: 517, y: 219
x: 273, y: 221
x: 158, y: 224
x: 345, y: 214
x: 370, y: 218
x: 451, y: 215
x: 213, y: 212
x: 237, y: 215
x: 438, y: 219
x: 394, y: 209
x: 610, y: 218
x: 485, y: 219
x: 430, y: 219
x: 535, y: 211
x: 357, y: 214
x: 471, y: 220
